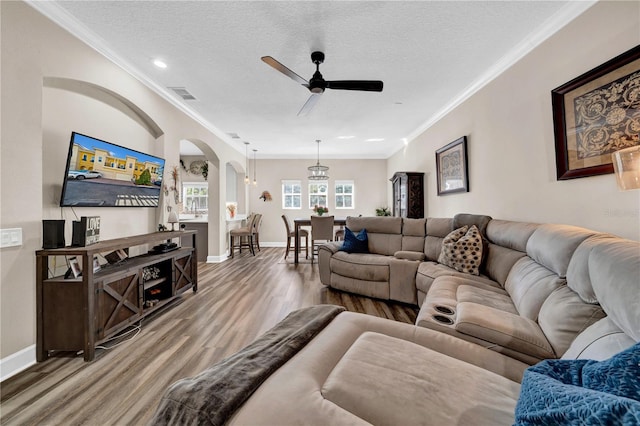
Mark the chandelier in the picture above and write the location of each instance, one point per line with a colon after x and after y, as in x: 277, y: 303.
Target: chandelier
x: 318, y: 172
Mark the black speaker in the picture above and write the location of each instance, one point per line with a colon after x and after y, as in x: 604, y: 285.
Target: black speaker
x: 52, y: 234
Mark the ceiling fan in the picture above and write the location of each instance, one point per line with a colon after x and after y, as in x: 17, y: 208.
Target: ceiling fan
x: 318, y: 84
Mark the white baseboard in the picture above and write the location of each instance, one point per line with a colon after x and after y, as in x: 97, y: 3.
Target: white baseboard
x: 17, y: 362
x: 217, y: 259
x: 273, y: 244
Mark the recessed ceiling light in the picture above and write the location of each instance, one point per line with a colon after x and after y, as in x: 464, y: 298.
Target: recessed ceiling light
x: 346, y: 137
x: 375, y: 140
x: 160, y: 63
x: 406, y: 141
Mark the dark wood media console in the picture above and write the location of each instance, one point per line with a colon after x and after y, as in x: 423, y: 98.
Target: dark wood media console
x: 76, y: 314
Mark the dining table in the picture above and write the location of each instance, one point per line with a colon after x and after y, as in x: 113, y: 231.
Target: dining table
x: 306, y: 221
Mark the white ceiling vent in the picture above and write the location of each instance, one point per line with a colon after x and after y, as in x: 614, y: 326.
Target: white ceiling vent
x: 233, y: 135
x: 183, y: 93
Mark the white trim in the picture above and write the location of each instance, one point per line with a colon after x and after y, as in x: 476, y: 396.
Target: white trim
x: 555, y: 23
x: 273, y: 244
x: 17, y: 362
x: 217, y: 259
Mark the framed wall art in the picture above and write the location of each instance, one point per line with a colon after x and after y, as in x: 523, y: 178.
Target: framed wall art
x: 452, y: 168
x: 595, y: 115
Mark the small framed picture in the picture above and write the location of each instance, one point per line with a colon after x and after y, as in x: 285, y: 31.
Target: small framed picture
x: 96, y: 265
x: 75, y: 266
x: 452, y: 167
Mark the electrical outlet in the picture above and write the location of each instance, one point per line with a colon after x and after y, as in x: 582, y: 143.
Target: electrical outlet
x: 10, y: 237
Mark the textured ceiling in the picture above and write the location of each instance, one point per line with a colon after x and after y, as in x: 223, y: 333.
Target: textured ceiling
x: 427, y: 53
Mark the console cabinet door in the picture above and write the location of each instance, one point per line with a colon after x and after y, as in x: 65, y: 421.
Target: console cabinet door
x: 184, y: 270
x: 118, y: 303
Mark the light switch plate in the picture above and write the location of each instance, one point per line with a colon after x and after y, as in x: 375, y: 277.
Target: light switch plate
x: 10, y: 237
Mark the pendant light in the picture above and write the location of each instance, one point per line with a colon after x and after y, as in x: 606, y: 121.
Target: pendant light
x: 255, y: 182
x: 246, y: 163
x: 318, y: 172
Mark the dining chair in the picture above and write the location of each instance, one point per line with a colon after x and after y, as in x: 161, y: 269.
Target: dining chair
x: 321, y: 232
x: 256, y: 229
x: 245, y: 236
x: 292, y: 235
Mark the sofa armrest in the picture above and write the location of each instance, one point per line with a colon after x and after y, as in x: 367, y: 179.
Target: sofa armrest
x: 325, y: 252
x: 402, y: 280
x: 331, y: 246
x: 503, y: 328
x: 409, y: 255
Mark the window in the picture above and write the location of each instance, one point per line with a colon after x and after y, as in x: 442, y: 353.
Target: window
x: 291, y: 194
x: 84, y: 157
x: 344, y: 194
x: 318, y: 193
x: 195, y: 196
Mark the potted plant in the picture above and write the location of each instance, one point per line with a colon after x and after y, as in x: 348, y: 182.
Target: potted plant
x: 320, y: 210
x: 383, y: 211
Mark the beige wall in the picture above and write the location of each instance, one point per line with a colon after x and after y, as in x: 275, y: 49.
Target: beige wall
x: 36, y: 124
x: 509, y: 125
x: 510, y: 135
x: 369, y: 177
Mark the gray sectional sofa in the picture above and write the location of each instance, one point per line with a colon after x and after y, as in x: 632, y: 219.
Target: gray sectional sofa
x: 531, y: 299
x: 544, y: 291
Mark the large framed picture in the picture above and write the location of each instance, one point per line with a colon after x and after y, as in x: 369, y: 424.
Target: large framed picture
x: 595, y: 115
x: 452, y: 168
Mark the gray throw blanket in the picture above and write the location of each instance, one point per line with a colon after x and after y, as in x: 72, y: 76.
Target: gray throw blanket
x: 214, y: 395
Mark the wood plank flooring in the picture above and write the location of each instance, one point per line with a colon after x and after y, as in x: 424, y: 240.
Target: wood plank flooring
x: 237, y: 300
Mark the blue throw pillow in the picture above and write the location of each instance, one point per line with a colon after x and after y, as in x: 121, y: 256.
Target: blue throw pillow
x: 355, y: 243
x: 582, y: 391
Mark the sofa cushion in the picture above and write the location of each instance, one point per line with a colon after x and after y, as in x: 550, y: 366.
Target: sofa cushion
x: 414, y: 227
x: 553, y: 245
x: 462, y: 250
x: 509, y: 234
x: 386, y: 380
x: 529, y: 284
x: 578, y: 277
x: 355, y: 243
x: 445, y: 291
x: 466, y: 219
x: 503, y: 328
x: 599, y: 341
x: 564, y: 315
x: 499, y: 261
x: 429, y: 271
x: 486, y: 297
x: 614, y: 266
x: 362, y: 266
x: 376, y: 224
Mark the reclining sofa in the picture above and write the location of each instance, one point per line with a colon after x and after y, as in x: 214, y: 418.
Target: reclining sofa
x: 532, y: 295
x: 543, y: 291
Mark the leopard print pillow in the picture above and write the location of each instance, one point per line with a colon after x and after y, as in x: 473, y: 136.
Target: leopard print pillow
x: 462, y: 250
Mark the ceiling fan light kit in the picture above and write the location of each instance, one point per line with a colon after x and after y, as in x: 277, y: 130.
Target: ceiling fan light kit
x: 317, y: 85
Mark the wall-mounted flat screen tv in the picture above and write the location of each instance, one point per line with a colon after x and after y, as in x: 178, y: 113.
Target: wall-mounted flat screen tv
x: 102, y: 174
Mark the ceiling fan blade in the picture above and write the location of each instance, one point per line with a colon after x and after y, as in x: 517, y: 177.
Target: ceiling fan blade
x: 308, y: 106
x: 284, y: 70
x: 366, y: 85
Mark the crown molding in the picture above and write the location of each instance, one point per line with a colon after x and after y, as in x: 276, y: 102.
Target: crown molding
x: 64, y: 19
x: 555, y: 23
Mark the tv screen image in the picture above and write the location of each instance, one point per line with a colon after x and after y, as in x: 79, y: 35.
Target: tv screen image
x: 103, y: 174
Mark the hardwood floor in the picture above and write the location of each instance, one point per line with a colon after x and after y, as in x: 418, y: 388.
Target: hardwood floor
x: 237, y: 300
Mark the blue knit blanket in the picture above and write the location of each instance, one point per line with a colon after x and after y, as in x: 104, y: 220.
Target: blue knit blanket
x: 582, y: 392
